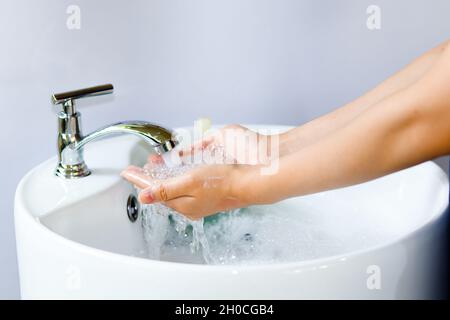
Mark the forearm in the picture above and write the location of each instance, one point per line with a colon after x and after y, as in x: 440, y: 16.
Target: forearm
x: 355, y: 154
x: 407, y: 128
x: 314, y: 130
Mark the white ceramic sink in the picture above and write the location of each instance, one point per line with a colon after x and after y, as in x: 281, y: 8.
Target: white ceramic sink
x: 74, y: 240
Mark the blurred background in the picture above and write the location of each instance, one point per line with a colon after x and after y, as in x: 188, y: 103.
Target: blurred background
x: 173, y: 61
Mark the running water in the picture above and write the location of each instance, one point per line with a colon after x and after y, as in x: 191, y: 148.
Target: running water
x: 158, y: 220
x: 263, y: 234
x: 164, y: 226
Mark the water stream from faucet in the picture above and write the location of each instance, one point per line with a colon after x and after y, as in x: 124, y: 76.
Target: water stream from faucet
x: 263, y: 234
x: 159, y: 220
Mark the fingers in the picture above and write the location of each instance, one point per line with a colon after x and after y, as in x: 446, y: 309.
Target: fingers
x: 198, y: 146
x: 156, y: 190
x: 173, y: 192
x: 169, y: 189
x: 136, y: 176
x: 185, y: 206
x: 155, y: 160
x: 207, y: 140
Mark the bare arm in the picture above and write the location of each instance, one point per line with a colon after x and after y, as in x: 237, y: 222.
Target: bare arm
x: 316, y: 129
x: 404, y: 129
x: 407, y: 126
x: 313, y: 131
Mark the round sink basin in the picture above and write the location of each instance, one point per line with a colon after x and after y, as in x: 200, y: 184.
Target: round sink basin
x: 76, y: 241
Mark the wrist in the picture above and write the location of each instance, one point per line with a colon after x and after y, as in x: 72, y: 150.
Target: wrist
x: 248, y: 185
x: 241, y: 182
x: 284, y: 141
x: 274, y: 146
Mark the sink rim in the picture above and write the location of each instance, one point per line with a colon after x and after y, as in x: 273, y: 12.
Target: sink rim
x: 439, y: 214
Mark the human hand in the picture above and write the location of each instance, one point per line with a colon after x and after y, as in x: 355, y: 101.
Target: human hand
x: 200, y: 192
x: 233, y: 144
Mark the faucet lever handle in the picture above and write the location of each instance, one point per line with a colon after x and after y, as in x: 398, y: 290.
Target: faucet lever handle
x: 67, y: 98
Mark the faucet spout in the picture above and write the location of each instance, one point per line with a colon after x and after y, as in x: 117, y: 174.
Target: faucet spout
x: 160, y: 138
x: 71, y: 141
x: 72, y: 164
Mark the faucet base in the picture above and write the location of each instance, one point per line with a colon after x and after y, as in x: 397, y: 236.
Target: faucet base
x: 72, y: 171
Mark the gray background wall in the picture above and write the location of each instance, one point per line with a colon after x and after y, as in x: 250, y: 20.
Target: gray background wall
x: 172, y: 61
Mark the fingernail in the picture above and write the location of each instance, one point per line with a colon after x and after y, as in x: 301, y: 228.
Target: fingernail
x: 146, y: 196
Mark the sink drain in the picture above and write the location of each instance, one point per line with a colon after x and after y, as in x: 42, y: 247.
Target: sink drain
x: 132, y: 208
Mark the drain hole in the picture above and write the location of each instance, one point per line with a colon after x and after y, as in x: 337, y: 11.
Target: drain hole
x: 132, y: 208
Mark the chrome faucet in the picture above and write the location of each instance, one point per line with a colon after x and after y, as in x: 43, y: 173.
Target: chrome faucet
x: 71, y: 141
